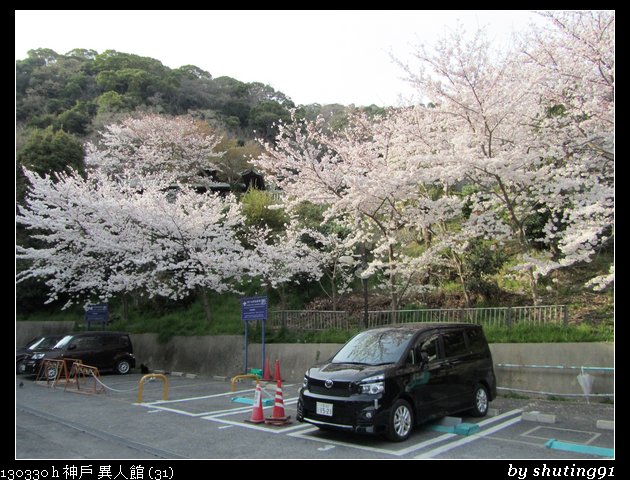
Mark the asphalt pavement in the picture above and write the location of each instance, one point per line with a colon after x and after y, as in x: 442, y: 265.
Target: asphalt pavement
x: 199, y: 420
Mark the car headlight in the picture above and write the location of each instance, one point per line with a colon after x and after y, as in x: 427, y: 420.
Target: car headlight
x: 37, y: 356
x: 373, y: 385
x: 305, y: 382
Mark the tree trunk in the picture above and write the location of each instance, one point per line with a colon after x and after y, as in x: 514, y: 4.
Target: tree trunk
x: 283, y: 297
x: 392, y: 286
x: 462, y: 280
x: 125, y: 305
x: 203, y: 293
x: 533, y: 284
x: 426, y: 236
x: 333, y: 294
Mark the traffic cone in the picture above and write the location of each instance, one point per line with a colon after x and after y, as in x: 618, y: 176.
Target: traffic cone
x: 277, y: 415
x: 276, y: 373
x: 266, y: 372
x: 257, y: 411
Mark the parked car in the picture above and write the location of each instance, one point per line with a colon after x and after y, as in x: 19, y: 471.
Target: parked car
x: 36, y: 344
x: 104, y: 350
x: 387, y: 380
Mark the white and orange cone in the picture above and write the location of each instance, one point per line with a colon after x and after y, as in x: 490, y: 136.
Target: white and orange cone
x: 257, y: 412
x: 276, y: 372
x: 278, y: 416
x: 266, y: 371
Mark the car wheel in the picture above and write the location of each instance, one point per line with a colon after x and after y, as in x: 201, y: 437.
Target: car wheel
x: 400, y: 421
x: 51, y: 372
x: 122, y: 367
x: 480, y: 402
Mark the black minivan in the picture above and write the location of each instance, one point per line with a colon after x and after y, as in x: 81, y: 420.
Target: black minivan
x: 387, y: 380
x: 104, y: 350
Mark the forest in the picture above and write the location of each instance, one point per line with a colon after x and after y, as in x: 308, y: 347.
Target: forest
x: 498, y: 191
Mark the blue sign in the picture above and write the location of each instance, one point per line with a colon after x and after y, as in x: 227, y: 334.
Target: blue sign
x: 253, y: 308
x: 97, y: 313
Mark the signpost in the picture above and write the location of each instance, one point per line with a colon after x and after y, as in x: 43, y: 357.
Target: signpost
x: 254, y: 309
x: 97, y: 313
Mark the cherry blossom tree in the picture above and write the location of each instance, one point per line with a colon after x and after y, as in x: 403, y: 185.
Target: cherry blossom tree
x: 90, y: 247
x: 154, y: 144
x: 531, y: 132
x: 134, y: 223
x: 103, y: 236
x: 369, y: 182
x: 576, y: 57
x: 282, y: 258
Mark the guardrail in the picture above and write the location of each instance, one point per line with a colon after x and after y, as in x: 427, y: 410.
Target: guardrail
x: 492, y: 316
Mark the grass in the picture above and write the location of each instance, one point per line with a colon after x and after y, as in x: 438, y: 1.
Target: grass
x: 168, y: 321
x: 514, y: 395
x: 323, y: 336
x: 549, y: 333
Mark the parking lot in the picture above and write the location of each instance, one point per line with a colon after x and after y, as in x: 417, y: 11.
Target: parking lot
x: 200, y: 421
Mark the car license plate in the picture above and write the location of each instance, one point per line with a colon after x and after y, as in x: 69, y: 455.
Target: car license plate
x: 324, y: 409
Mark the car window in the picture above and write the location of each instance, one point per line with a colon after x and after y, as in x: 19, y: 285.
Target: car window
x: 476, y: 340
x: 111, y: 341
x: 375, y: 347
x: 454, y: 343
x: 86, y: 343
x: 430, y: 346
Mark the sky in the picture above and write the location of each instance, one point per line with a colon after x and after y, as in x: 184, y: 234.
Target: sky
x: 314, y: 56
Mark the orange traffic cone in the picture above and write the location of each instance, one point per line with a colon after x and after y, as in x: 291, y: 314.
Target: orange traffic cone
x: 257, y: 411
x: 266, y: 372
x: 277, y: 415
x: 276, y: 373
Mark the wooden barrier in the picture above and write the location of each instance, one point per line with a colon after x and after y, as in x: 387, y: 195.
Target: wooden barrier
x: 51, y: 371
x: 80, y: 372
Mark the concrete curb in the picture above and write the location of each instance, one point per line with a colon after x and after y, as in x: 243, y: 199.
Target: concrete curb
x: 605, y: 424
x: 450, y: 421
x: 539, y: 417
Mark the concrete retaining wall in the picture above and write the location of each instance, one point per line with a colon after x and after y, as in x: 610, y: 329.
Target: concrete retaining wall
x: 223, y: 355
x: 26, y: 331
x: 554, y: 380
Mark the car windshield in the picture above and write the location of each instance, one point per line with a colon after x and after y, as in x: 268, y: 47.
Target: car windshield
x: 44, y: 343
x: 375, y: 347
x: 63, y: 342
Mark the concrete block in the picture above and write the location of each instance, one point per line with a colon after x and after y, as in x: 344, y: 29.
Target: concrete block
x: 191, y: 375
x: 450, y: 421
x: 219, y: 378
x: 579, y: 448
x: 605, y: 424
x: 536, y: 416
x: 177, y: 374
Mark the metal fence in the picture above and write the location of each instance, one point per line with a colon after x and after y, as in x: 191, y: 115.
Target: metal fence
x: 309, y: 320
x: 494, y: 316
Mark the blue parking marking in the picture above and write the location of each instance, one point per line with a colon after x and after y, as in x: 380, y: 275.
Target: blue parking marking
x: 578, y: 448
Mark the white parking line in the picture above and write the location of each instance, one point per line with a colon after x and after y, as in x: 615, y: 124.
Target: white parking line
x: 472, y: 438
x: 401, y: 452
x: 190, y: 399
x: 233, y: 411
x: 418, y: 446
x: 303, y: 434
